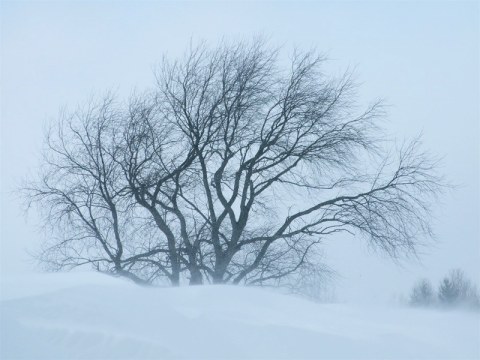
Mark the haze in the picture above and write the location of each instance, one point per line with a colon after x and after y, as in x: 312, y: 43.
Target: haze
x: 423, y: 58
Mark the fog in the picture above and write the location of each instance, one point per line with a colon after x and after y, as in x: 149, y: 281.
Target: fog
x: 422, y: 58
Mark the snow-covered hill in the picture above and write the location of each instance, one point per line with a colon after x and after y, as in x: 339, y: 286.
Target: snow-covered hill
x: 92, y: 316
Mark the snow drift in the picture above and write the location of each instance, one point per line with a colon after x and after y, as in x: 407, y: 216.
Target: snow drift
x: 93, y: 316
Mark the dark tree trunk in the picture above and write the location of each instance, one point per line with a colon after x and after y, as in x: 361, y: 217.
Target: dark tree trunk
x: 196, y: 277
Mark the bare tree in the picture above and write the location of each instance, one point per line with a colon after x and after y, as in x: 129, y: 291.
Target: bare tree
x: 234, y: 169
x: 82, y: 196
x: 281, y: 159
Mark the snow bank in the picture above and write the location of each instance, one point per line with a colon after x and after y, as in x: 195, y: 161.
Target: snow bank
x: 92, y: 316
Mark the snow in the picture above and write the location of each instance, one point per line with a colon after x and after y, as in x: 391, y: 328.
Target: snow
x: 94, y: 316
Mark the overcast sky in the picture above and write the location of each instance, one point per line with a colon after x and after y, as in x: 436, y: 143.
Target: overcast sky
x: 423, y: 58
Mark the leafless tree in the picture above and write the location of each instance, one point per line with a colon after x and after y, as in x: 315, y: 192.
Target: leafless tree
x: 233, y: 169
x: 83, y: 197
x: 282, y: 161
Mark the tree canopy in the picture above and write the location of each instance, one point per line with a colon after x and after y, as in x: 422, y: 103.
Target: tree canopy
x: 234, y: 168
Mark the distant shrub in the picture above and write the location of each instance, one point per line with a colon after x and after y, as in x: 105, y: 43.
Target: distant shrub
x: 448, y: 292
x: 422, y: 294
x: 454, y: 290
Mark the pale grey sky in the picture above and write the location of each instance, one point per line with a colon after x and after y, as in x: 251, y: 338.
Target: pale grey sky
x: 422, y: 57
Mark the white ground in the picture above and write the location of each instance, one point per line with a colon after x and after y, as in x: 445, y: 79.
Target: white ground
x: 92, y: 316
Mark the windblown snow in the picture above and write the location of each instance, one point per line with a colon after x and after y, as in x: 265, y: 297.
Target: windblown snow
x: 93, y: 316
